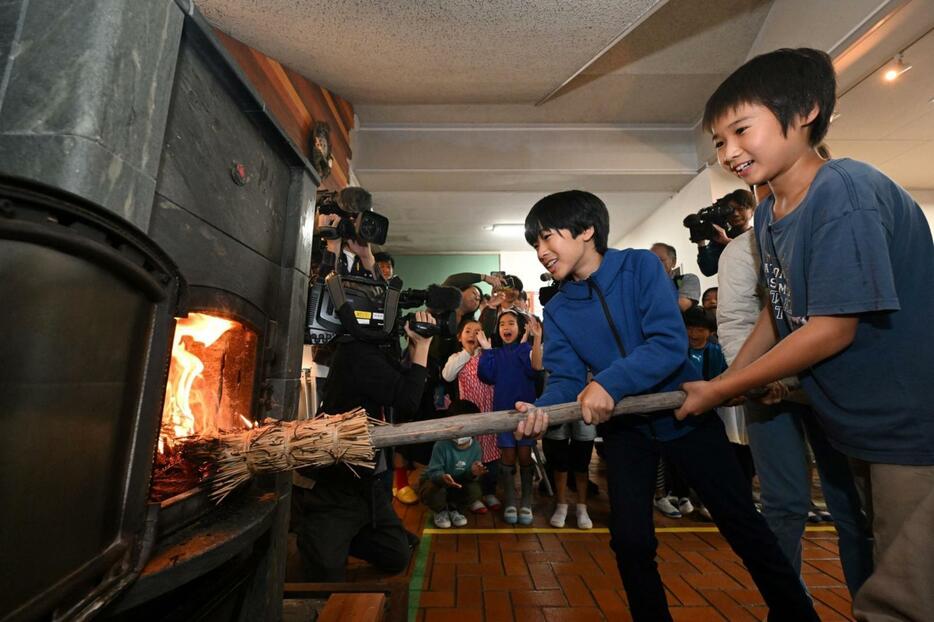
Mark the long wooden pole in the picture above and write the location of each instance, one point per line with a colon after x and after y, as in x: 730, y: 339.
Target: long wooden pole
x: 506, y: 420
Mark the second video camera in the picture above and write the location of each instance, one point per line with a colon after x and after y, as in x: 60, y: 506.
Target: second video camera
x: 358, y: 221
x: 701, y: 224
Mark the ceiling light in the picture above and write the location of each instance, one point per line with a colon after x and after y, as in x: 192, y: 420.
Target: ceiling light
x: 508, y: 230
x: 897, y: 68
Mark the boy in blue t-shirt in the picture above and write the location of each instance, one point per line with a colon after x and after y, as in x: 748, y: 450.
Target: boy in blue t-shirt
x: 848, y: 262
x: 614, y: 317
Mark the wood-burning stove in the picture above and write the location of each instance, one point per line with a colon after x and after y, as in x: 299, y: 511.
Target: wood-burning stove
x: 133, y: 115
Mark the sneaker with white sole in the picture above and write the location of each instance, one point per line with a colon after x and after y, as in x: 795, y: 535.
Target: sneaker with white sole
x: 457, y: 519
x: 477, y: 507
x: 510, y: 515
x: 442, y: 520
x: 561, y: 513
x: 525, y: 516
x: 685, y: 506
x: 583, y: 518
x: 492, y: 503
x: 666, y: 507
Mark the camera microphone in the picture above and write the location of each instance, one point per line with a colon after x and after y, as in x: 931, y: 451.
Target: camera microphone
x: 546, y: 276
x: 355, y: 199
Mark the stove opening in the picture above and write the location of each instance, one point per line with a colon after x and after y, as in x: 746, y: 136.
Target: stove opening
x: 209, y: 390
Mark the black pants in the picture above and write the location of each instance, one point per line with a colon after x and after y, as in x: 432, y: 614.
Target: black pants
x: 707, y: 461
x: 333, y: 520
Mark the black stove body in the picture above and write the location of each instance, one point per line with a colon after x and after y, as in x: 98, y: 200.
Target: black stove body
x: 141, y: 179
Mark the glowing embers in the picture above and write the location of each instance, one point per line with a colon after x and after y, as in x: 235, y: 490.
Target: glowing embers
x: 209, y: 390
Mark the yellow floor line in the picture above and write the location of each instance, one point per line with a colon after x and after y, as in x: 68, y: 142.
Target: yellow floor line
x: 536, y: 530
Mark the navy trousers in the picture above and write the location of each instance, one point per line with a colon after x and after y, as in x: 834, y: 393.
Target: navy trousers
x: 707, y: 461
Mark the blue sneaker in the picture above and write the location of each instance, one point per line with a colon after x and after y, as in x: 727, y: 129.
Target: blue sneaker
x: 510, y: 515
x: 525, y: 516
x: 666, y: 507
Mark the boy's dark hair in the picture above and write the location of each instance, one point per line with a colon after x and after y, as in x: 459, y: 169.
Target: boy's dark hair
x: 670, y: 250
x: 788, y: 82
x: 696, y: 316
x: 378, y: 257
x: 708, y: 290
x: 742, y: 198
x: 574, y: 210
x: 462, y: 407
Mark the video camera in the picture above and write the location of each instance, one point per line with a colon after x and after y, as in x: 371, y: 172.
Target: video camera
x: 368, y: 309
x: 701, y: 224
x: 358, y: 221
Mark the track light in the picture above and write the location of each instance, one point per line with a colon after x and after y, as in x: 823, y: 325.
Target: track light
x: 507, y: 230
x: 897, y: 68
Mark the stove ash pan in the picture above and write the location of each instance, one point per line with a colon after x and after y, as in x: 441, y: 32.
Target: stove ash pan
x: 88, y: 306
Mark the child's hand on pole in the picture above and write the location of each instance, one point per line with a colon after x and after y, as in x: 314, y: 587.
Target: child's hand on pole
x: 532, y: 426
x: 596, y: 404
x: 702, y: 396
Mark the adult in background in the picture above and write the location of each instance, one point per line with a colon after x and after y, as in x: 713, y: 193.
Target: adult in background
x: 687, y: 285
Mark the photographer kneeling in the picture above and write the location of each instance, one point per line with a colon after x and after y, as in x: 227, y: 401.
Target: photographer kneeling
x: 342, y: 514
x: 714, y: 227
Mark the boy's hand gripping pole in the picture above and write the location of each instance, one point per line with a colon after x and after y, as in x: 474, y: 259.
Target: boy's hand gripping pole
x: 506, y: 420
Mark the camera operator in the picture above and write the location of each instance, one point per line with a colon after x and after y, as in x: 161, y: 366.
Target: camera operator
x: 743, y: 205
x: 386, y: 264
x: 345, y: 253
x: 342, y: 514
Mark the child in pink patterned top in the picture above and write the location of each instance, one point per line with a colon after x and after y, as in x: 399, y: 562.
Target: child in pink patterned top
x: 463, y: 366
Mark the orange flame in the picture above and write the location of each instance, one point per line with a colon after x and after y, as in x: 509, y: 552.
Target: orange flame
x: 186, y: 368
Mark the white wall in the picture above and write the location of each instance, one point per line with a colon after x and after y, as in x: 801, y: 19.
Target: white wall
x: 523, y: 264
x: 664, y: 225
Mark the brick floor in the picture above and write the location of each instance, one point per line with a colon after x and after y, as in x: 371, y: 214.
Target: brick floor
x: 571, y: 575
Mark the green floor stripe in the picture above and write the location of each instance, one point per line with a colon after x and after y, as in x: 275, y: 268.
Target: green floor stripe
x: 417, y: 580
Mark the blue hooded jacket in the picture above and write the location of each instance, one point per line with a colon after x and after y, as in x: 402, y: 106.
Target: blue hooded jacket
x: 509, y: 370
x: 578, y: 339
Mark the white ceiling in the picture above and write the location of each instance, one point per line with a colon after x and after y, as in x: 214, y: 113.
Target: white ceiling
x: 431, y: 51
x: 891, y: 124
x: 439, y: 66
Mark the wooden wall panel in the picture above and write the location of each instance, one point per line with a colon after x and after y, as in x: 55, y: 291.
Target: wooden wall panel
x: 297, y: 103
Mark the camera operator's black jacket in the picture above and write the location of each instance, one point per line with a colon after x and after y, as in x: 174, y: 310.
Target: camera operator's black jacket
x: 367, y: 375
x: 708, y: 258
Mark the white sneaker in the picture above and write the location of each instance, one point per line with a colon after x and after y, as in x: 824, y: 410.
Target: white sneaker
x: 561, y: 513
x: 666, y: 507
x: 685, y: 506
x: 457, y: 519
x: 492, y: 503
x: 583, y: 518
x: 442, y: 520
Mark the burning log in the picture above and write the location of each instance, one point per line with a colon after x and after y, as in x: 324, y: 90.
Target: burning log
x: 352, y: 438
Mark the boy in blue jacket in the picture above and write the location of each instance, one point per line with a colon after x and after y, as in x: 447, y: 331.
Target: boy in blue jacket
x: 614, y: 316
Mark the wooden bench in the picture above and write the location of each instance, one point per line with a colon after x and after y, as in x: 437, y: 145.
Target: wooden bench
x: 393, y: 593
x: 354, y: 608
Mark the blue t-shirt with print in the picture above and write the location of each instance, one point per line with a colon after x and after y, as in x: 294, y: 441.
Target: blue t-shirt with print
x: 859, y: 244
